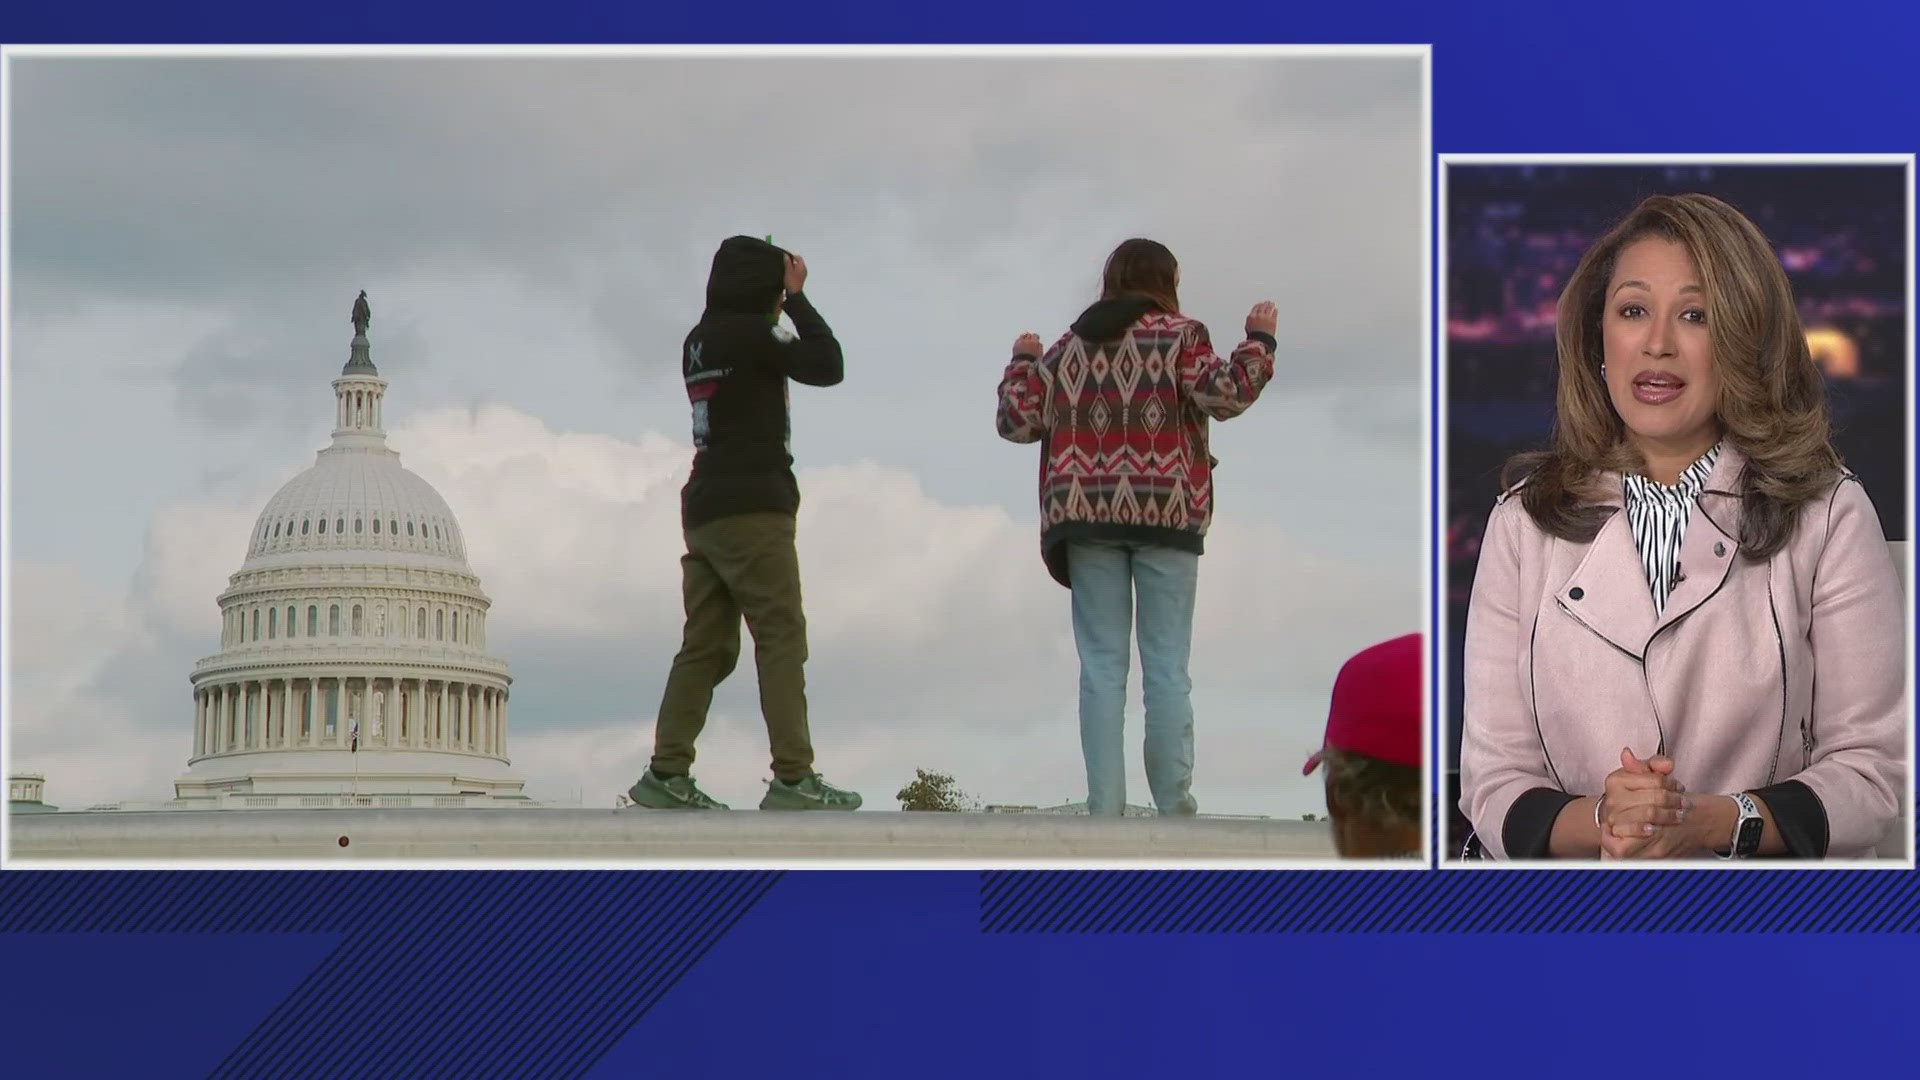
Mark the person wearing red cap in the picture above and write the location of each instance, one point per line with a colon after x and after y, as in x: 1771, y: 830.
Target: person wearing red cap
x: 1372, y: 752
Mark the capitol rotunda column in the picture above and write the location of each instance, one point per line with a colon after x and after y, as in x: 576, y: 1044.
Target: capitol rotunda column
x: 389, y: 714
x: 309, y: 711
x: 486, y: 710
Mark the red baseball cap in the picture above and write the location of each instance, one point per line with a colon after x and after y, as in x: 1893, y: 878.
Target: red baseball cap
x: 1376, y: 704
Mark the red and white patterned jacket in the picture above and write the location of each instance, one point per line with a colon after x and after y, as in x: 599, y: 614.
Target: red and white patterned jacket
x: 1122, y: 425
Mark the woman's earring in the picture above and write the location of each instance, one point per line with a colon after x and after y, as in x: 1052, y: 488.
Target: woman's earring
x: 1603, y: 369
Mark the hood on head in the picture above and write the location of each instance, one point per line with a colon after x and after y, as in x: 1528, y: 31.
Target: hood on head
x: 1109, y: 319
x: 748, y: 276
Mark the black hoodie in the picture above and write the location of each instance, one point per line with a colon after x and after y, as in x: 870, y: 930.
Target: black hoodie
x: 737, y: 363
x: 1108, y: 320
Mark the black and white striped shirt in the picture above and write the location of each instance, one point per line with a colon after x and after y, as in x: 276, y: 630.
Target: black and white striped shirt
x: 1658, y: 514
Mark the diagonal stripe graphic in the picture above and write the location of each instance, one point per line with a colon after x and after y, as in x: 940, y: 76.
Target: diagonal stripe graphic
x: 1372, y: 902
x: 528, y: 973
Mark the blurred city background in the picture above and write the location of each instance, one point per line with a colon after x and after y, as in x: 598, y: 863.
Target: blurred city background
x: 1514, y: 235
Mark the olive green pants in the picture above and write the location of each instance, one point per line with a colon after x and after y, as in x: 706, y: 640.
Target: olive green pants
x: 739, y: 566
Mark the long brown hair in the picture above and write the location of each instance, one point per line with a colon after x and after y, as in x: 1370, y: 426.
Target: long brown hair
x: 1145, y: 268
x: 1772, y: 406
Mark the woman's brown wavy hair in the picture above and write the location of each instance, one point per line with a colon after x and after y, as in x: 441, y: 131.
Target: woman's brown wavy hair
x: 1773, y: 402
x: 1145, y: 268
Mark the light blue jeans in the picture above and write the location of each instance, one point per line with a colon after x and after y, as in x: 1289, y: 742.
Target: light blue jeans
x: 1107, y: 577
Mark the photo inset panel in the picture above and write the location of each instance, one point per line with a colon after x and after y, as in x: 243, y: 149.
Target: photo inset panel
x: 759, y: 457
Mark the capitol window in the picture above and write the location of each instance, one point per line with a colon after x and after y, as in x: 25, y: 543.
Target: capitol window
x: 376, y: 526
x: 273, y: 623
x: 276, y: 530
x: 339, y: 525
x: 293, y: 620
x: 440, y: 625
x: 333, y: 620
x: 409, y: 526
x: 423, y: 624
x: 313, y: 620
x: 359, y: 526
x: 305, y: 524
x: 456, y: 626
x: 323, y: 526
x: 356, y: 620
x: 393, y: 526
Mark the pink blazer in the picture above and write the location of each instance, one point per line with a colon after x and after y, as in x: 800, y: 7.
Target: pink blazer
x: 1792, y: 669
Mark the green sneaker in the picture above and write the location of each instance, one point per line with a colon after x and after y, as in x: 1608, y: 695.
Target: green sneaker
x: 812, y: 793
x: 654, y: 792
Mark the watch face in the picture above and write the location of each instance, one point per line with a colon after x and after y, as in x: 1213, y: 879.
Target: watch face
x: 1749, y: 841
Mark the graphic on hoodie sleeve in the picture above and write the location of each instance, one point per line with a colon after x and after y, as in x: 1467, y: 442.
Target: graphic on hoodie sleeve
x: 703, y: 383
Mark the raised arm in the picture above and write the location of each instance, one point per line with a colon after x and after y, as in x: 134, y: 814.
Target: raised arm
x: 1022, y: 416
x: 1224, y: 388
x: 813, y: 357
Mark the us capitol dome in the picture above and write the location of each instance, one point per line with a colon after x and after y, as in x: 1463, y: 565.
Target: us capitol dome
x: 353, y: 666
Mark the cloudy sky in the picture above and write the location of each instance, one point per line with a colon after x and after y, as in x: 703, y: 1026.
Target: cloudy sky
x: 187, y: 236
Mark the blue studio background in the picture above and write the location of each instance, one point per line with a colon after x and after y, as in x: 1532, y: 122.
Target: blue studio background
x: 1031, y: 974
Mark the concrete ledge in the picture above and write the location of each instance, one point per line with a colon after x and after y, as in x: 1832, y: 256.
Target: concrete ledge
x: 638, y: 837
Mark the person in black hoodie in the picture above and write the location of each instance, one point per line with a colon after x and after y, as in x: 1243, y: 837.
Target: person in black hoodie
x: 737, y: 511
x: 1120, y: 405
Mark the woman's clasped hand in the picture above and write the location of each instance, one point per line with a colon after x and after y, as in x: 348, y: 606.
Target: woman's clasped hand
x: 1646, y: 813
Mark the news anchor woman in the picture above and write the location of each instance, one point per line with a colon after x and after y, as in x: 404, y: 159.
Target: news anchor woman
x: 1686, y: 635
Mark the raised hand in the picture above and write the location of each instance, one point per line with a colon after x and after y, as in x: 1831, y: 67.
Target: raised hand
x: 796, y: 276
x: 1028, y: 344
x: 1264, y: 318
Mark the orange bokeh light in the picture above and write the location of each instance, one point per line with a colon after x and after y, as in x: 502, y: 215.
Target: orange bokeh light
x: 1837, y: 354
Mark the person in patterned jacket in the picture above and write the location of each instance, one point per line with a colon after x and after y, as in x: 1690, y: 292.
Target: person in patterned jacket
x: 1120, y: 406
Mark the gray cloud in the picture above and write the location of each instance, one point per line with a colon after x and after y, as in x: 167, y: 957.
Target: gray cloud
x: 236, y: 179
